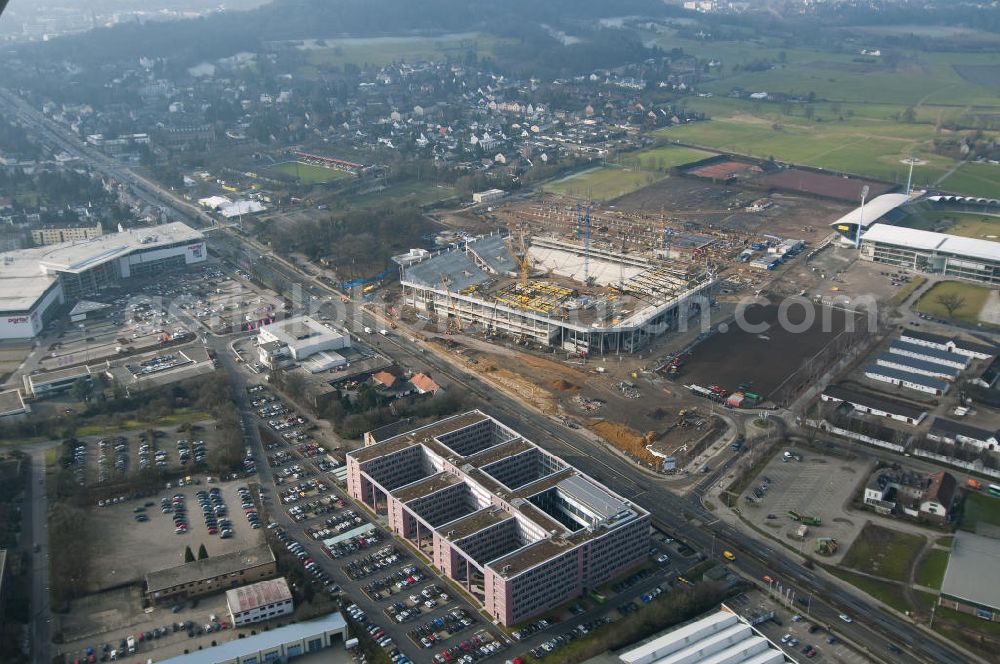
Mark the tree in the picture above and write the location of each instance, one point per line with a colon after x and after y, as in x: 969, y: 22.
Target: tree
x: 952, y: 302
x: 188, y: 555
x: 82, y: 389
x: 202, y: 552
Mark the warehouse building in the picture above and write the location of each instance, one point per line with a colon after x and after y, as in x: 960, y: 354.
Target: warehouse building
x: 210, y: 575
x: 917, y: 366
x: 259, y: 601
x: 720, y: 637
x: 978, y: 351
x: 949, y: 431
x: 929, y: 354
x: 34, y: 282
x: 488, y: 196
x: 906, y: 379
x: 276, y: 645
x: 874, y: 405
x: 298, y: 339
x: 950, y: 255
x: 12, y: 403
x: 973, y: 560
x: 520, y: 529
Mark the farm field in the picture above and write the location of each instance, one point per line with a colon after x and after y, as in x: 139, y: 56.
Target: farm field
x: 974, y: 179
x: 875, y: 148
x: 975, y: 298
x: 603, y: 183
x: 854, y: 124
x: 309, y: 173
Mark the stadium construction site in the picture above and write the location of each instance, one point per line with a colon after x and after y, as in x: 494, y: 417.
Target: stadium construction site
x: 557, y: 293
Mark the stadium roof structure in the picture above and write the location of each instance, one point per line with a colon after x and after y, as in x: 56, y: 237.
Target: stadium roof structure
x: 872, y: 211
x: 26, y: 274
x: 966, y: 247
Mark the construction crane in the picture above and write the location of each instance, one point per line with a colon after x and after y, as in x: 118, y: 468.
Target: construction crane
x: 583, y: 219
x: 451, y: 308
x: 519, y: 252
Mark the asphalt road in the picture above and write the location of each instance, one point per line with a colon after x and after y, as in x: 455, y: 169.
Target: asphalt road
x: 37, y: 508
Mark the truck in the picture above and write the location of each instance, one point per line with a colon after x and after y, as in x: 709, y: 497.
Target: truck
x: 975, y: 485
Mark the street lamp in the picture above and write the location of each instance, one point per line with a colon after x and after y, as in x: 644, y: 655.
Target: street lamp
x: 861, y: 217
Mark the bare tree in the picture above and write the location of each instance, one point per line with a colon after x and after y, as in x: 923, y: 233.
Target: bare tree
x: 952, y: 302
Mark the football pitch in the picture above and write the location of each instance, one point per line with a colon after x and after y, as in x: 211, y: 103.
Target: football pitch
x: 309, y: 173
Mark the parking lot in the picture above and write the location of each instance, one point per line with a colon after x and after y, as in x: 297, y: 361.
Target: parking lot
x: 793, y: 631
x: 816, y: 486
x: 132, y: 548
x: 116, y: 456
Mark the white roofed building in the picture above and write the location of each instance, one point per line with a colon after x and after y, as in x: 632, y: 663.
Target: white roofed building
x: 866, y: 215
x: 304, y: 337
x: 950, y: 255
x: 33, y: 281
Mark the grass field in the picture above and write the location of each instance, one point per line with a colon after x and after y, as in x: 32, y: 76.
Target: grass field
x: 874, y: 148
x: 663, y: 158
x: 975, y: 179
x: 412, y: 193
x: 980, y: 508
x: 309, y: 173
x: 966, y: 224
x: 603, y: 183
x: 889, y: 554
x: 930, y: 572
x: 854, y: 126
x: 975, y: 298
x: 183, y: 417
x: 885, y: 592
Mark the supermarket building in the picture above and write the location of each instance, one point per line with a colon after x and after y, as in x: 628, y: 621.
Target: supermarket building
x: 34, y: 282
x: 520, y: 529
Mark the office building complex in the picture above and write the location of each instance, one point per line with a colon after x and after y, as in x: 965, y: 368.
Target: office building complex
x: 519, y: 528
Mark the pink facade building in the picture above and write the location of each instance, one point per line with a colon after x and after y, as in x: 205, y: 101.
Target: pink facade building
x: 519, y: 528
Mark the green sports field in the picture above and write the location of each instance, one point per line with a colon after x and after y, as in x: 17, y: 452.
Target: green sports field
x: 309, y: 173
